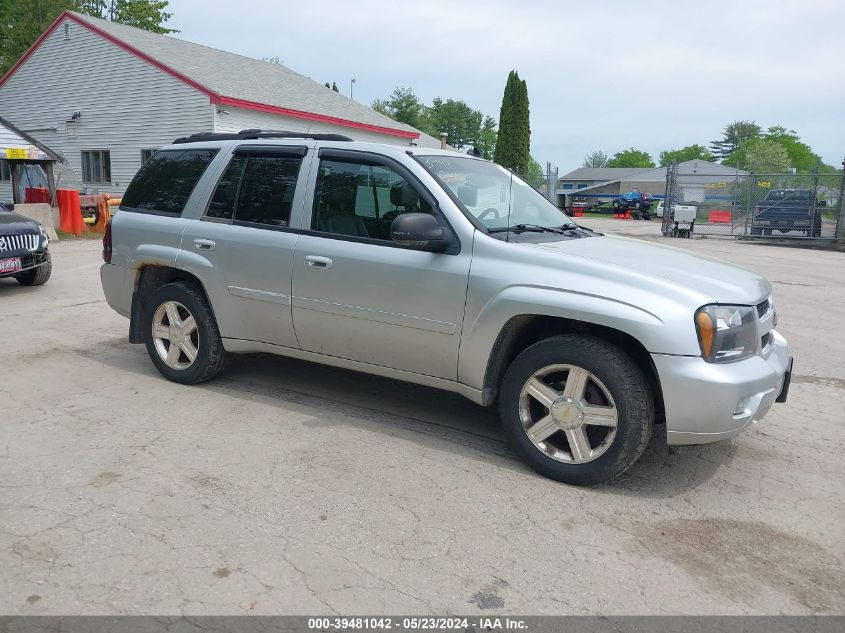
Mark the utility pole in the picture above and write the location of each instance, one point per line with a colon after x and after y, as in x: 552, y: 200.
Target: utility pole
x: 351, y: 83
x: 840, y: 222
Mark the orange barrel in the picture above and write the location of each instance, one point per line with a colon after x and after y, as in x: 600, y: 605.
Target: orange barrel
x: 75, y: 212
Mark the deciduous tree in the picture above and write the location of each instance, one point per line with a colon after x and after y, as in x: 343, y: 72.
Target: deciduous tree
x: 595, y: 159
x: 22, y: 21
x: 690, y: 152
x: 631, y: 158
x: 760, y: 155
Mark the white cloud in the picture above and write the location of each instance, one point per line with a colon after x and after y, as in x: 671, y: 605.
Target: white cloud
x: 650, y: 74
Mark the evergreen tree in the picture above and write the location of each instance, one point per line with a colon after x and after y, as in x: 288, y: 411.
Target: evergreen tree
x: 733, y: 136
x: 523, y: 130
x: 514, y: 132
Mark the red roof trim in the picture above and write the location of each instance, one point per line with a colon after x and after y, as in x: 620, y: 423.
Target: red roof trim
x: 213, y: 96
x: 311, y: 116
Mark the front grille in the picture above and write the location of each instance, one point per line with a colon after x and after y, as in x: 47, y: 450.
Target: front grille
x: 762, y: 308
x: 19, y: 242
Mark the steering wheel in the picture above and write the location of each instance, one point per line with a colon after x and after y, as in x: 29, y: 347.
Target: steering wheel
x: 493, y: 213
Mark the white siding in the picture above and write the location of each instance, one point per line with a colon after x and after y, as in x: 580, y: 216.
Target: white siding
x: 6, y: 191
x: 229, y: 119
x: 127, y: 104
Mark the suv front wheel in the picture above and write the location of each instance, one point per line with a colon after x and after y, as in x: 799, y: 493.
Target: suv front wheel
x: 578, y: 409
x: 181, y: 335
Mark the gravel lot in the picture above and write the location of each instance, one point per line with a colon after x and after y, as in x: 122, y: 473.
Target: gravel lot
x: 289, y: 488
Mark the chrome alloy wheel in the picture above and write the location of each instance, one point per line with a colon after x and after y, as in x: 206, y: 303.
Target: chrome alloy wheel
x: 175, y: 335
x: 568, y: 413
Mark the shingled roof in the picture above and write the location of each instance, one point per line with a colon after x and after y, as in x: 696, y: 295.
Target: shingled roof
x: 235, y: 80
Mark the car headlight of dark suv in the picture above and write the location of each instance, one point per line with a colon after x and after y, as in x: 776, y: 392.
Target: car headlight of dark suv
x: 726, y: 333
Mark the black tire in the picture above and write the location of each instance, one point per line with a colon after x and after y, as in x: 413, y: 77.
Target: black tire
x: 627, y: 385
x: 37, y: 276
x: 756, y: 230
x: 211, y: 357
x: 637, y: 205
x: 647, y: 216
x: 617, y: 204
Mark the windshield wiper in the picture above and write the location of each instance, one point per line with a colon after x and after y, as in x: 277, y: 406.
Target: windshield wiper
x: 520, y: 228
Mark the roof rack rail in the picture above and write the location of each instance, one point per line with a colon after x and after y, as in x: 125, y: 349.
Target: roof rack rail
x: 256, y: 134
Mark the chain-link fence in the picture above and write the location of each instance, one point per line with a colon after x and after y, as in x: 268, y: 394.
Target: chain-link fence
x: 742, y: 204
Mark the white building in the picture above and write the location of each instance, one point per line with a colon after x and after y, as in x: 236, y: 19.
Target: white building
x: 104, y: 95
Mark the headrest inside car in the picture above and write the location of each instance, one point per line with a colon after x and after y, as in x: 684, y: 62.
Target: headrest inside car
x: 403, y: 196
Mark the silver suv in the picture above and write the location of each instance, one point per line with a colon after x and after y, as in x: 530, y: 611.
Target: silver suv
x: 445, y: 270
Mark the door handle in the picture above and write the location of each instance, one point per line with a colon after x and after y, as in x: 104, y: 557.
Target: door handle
x: 204, y: 245
x: 315, y: 261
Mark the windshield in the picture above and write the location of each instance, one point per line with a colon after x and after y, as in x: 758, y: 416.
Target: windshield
x: 493, y: 195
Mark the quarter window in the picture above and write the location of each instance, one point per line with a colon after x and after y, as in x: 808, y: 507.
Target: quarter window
x: 256, y: 189
x: 166, y: 181
x: 96, y: 166
x: 361, y: 199
x: 146, y: 154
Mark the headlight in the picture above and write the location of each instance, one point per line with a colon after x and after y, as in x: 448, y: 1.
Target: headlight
x: 45, y: 240
x: 726, y: 333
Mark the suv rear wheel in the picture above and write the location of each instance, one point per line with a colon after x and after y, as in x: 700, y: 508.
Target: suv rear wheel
x: 577, y: 409
x: 181, y: 335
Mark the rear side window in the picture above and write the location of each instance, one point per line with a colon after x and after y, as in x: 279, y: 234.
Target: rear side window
x: 256, y: 189
x: 166, y: 181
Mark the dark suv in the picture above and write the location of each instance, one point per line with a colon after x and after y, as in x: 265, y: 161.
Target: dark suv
x: 24, y: 252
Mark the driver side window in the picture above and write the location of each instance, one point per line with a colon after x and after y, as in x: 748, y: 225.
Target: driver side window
x: 361, y: 199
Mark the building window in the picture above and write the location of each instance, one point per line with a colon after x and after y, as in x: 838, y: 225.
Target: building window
x: 96, y: 166
x: 567, y: 185
x: 146, y: 154
x: 5, y: 172
x: 582, y: 185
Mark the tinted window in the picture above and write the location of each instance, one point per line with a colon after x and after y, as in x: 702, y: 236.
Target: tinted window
x: 225, y: 196
x: 267, y: 188
x: 166, y: 181
x: 362, y: 199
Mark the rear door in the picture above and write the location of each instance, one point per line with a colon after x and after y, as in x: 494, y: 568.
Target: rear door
x: 242, y: 247
x: 356, y: 294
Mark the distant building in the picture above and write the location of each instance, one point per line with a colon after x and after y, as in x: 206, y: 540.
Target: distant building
x: 695, y: 178
x: 584, y: 177
x: 105, y: 95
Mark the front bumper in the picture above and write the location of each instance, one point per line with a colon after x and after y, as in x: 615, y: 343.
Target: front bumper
x: 708, y: 402
x: 29, y: 260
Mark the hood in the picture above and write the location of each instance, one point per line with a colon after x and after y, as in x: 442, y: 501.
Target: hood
x: 11, y: 223
x: 724, y: 283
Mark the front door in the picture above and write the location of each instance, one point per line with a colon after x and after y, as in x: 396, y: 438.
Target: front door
x: 358, y: 296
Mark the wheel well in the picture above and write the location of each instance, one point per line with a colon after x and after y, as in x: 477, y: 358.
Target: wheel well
x: 522, y: 331
x: 151, y: 278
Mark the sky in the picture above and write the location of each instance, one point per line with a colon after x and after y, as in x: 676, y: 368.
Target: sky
x: 605, y: 74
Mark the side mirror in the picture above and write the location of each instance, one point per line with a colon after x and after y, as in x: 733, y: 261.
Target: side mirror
x: 420, y: 230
